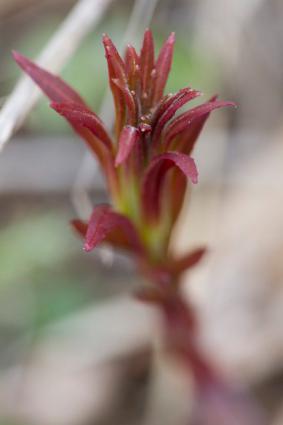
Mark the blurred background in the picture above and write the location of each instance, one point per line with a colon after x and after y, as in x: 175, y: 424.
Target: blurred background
x: 74, y: 348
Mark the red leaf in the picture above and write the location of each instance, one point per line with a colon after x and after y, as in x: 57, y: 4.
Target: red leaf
x: 54, y: 87
x: 103, y: 221
x: 82, y: 116
x: 114, y: 61
x: 175, y: 197
x: 132, y: 66
x: 79, y: 226
x: 127, y: 140
x: 117, y: 75
x: 161, y: 107
x: 180, y: 98
x: 182, y: 122
x: 114, y: 57
x: 116, y: 237
x: 89, y: 126
x: 186, y: 140
x: 187, y: 261
x: 155, y: 174
x: 129, y: 100
x: 147, y: 64
x: 162, y: 68
x: 59, y: 92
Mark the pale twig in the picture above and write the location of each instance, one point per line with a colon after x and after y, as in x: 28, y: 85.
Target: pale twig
x: 60, y: 48
x: 141, y: 16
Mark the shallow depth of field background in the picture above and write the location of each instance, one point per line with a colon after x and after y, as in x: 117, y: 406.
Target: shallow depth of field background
x: 74, y: 350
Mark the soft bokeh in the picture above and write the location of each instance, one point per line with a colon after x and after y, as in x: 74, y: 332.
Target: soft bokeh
x: 74, y: 348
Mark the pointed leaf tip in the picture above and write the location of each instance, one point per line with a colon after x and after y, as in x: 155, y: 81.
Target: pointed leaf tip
x: 147, y: 65
x: 171, y: 38
x: 87, y: 247
x: 185, y: 120
x: 170, y: 107
x: 110, y: 46
x: 187, y: 261
x: 16, y: 55
x: 163, y: 67
x: 105, y: 37
x: 52, y: 85
x: 79, y: 226
x: 103, y: 222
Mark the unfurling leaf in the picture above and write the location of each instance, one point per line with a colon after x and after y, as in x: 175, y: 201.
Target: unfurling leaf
x: 103, y: 221
x: 155, y: 174
x: 178, y: 100
x: 182, y: 122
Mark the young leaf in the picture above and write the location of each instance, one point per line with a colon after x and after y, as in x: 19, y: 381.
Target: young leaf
x: 162, y: 68
x: 179, y: 265
x: 147, y: 64
x: 127, y: 141
x: 82, y: 116
x: 132, y: 66
x: 114, y: 57
x: 116, y: 237
x: 178, y: 100
x: 154, y: 178
x: 186, y: 140
x: 103, y: 221
x: 54, y: 87
x: 129, y: 101
x: 79, y: 226
x: 182, y: 122
x: 115, y: 61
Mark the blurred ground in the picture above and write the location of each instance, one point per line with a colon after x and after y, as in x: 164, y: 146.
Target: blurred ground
x: 60, y: 362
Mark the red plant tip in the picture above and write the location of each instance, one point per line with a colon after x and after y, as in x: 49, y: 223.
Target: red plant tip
x: 151, y: 137
x: 108, y: 45
x: 148, y: 34
x: 88, y: 247
x: 162, y: 68
x: 17, y: 56
x: 106, y: 40
x: 171, y: 38
x: 53, y: 86
x: 22, y: 61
